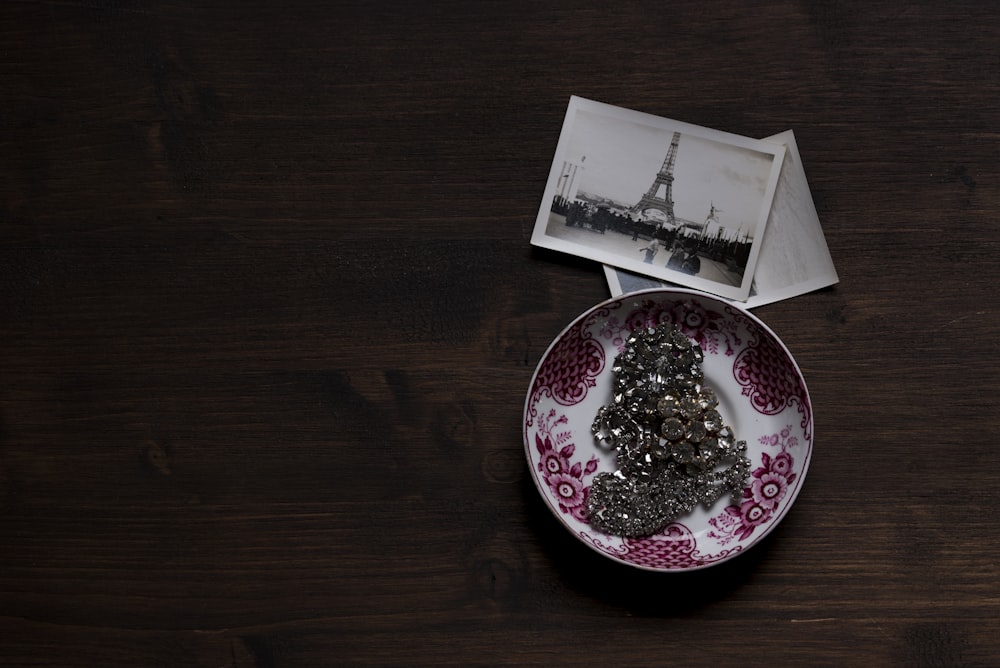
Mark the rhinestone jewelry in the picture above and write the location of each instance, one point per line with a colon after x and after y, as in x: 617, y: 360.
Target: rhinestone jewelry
x: 673, y: 450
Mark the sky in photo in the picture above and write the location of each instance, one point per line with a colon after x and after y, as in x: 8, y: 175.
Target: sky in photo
x: 623, y: 157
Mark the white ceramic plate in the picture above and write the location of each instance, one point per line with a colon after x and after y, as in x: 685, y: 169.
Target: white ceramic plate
x: 762, y: 395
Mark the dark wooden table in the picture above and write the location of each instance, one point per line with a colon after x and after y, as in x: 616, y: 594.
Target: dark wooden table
x: 268, y: 313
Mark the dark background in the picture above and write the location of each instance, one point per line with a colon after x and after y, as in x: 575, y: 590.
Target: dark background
x: 268, y: 314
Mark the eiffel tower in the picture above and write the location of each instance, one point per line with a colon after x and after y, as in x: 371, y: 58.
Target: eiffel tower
x: 664, y: 181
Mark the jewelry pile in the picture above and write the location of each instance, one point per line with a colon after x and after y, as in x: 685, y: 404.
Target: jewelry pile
x: 673, y: 449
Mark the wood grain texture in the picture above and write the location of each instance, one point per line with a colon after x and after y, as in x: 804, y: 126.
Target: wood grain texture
x: 268, y: 313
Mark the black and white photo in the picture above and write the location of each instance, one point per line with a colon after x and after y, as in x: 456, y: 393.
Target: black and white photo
x: 794, y: 258
x: 658, y: 197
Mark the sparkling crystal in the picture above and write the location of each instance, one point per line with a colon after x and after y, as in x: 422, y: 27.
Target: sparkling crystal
x: 707, y: 398
x: 660, y: 450
x: 689, y: 408
x: 710, y: 448
x: 727, y: 442
x: 683, y: 452
x: 666, y: 405
x: 634, y: 402
x: 672, y: 429
x: 696, y: 432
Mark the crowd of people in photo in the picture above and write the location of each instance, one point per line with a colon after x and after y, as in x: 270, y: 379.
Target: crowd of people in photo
x: 683, y: 254
x: 685, y: 247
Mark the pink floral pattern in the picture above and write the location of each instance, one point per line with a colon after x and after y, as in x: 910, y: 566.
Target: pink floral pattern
x: 563, y: 476
x: 675, y: 548
x: 564, y: 458
x: 711, y: 329
x: 769, y: 485
x: 770, y: 379
x: 569, y: 370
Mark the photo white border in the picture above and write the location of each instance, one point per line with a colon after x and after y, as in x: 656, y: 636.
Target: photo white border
x: 618, y: 115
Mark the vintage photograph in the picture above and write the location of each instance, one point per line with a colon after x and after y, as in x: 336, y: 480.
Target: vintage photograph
x: 794, y: 258
x: 658, y: 197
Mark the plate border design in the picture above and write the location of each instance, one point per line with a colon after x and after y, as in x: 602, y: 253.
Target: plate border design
x: 762, y: 367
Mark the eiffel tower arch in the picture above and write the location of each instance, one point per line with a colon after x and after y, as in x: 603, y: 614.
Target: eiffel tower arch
x: 659, y: 196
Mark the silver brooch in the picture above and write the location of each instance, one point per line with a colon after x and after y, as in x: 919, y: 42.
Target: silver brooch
x: 673, y: 449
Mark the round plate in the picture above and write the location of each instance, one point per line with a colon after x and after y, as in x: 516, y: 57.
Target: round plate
x: 762, y: 396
